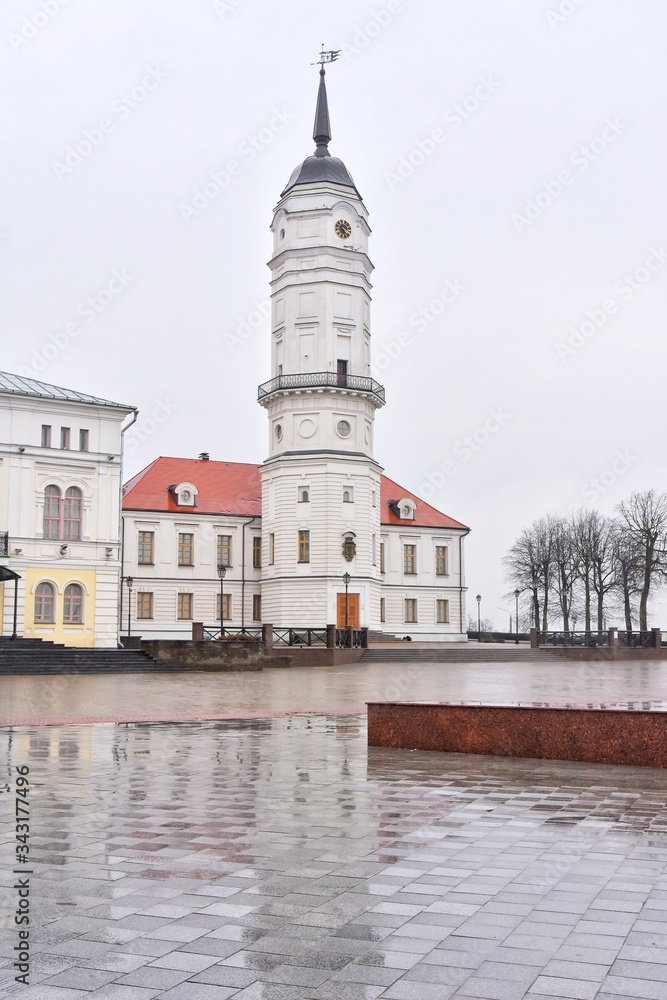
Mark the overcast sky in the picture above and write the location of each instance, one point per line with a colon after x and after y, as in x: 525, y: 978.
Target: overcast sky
x: 512, y: 158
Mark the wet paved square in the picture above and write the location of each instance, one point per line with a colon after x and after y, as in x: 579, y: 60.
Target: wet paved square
x: 272, y: 858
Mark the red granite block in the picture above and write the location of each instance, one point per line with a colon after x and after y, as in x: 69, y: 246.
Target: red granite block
x: 603, y: 735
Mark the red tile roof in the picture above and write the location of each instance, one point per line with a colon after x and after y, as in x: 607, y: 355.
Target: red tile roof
x: 234, y: 488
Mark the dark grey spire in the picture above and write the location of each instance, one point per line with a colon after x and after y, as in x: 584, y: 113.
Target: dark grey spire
x: 322, y: 129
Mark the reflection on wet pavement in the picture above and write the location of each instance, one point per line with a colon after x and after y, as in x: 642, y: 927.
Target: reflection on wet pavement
x: 282, y: 858
x: 335, y: 690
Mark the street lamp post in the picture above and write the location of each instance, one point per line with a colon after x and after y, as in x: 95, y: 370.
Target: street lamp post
x: 129, y: 581
x: 510, y: 614
x: 479, y: 617
x: 516, y: 616
x: 346, y: 581
x: 221, y: 573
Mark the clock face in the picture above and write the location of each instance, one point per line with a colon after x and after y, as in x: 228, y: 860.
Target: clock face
x: 343, y: 229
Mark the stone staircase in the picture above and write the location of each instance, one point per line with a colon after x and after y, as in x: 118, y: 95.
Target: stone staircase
x: 39, y: 656
x: 408, y: 652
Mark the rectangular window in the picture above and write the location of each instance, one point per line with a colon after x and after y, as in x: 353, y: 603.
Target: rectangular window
x: 442, y: 612
x: 224, y: 550
x: 382, y: 557
x: 272, y: 549
x: 145, y: 548
x: 256, y: 608
x: 184, y: 607
x: 185, y: 550
x: 409, y: 558
x: 441, y: 567
x: 257, y: 552
x: 410, y: 610
x: 227, y: 600
x: 375, y: 548
x: 382, y: 610
x: 304, y: 547
x: 83, y: 440
x: 144, y: 604
x: 64, y: 437
x: 46, y: 435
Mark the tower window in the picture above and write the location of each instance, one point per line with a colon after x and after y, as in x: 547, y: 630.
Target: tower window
x: 343, y: 428
x: 304, y: 495
x: 348, y: 495
x: 304, y: 547
x: 382, y: 557
x: 279, y: 432
x: 272, y: 549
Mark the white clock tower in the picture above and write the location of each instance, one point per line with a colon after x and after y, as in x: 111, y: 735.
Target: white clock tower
x: 320, y: 483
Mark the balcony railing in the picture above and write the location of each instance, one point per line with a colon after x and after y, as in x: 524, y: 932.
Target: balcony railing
x: 320, y: 380
x: 4, y: 543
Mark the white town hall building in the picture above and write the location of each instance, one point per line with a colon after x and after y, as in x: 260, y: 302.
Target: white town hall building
x: 319, y: 507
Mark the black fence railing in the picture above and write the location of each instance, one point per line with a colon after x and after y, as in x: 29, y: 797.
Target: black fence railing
x: 352, y: 638
x: 229, y: 632
x: 316, y: 380
x: 299, y: 636
x: 571, y: 638
x: 4, y: 543
x: 639, y: 640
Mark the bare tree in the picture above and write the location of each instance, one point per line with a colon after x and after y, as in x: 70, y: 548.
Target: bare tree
x: 604, y: 570
x: 529, y: 565
x: 626, y: 561
x: 644, y: 519
x: 566, y: 566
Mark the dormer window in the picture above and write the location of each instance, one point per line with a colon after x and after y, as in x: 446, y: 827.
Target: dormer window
x: 403, y: 509
x: 185, y: 494
x: 406, y: 509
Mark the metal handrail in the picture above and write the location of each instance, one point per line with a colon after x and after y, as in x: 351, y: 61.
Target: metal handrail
x: 316, y: 380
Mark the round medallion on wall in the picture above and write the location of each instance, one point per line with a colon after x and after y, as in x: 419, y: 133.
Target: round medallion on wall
x: 279, y: 432
x: 343, y: 229
x: 343, y: 428
x: 307, y: 428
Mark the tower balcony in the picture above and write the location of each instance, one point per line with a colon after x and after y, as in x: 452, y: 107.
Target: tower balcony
x: 323, y: 380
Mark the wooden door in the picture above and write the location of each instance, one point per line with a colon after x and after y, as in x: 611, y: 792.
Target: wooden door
x: 341, y: 372
x: 352, y: 610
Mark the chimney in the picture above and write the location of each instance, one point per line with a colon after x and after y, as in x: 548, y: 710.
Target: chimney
x: 204, y: 457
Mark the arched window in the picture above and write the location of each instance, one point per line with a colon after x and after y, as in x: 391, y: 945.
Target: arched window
x: 72, y: 514
x: 45, y: 603
x: 73, y: 608
x: 52, y: 502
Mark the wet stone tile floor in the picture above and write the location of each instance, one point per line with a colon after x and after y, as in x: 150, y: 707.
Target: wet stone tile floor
x: 281, y: 858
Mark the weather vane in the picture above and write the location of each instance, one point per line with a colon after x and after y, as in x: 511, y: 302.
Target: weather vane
x: 327, y: 56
